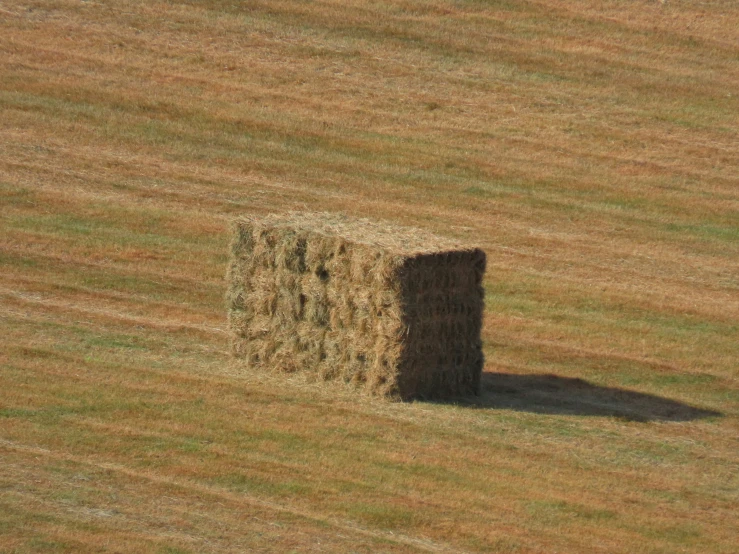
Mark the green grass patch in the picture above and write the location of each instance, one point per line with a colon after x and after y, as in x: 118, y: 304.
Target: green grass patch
x: 254, y: 484
x: 685, y: 533
x: 384, y: 516
x: 556, y: 513
x: 118, y: 342
x: 173, y: 550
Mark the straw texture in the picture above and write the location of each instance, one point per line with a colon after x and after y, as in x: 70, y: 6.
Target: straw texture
x: 396, y: 311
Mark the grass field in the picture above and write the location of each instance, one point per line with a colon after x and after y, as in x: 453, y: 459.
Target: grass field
x: 592, y: 150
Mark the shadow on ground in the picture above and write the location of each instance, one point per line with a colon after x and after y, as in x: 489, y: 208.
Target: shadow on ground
x: 551, y: 394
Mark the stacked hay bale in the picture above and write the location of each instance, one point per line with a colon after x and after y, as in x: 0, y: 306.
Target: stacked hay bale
x: 394, y: 310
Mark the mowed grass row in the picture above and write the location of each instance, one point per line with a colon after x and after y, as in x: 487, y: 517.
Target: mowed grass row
x: 592, y: 155
x: 159, y: 404
x: 141, y: 259
x: 87, y: 335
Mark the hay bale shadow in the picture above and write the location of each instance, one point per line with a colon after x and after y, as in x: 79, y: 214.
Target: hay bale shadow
x: 552, y: 394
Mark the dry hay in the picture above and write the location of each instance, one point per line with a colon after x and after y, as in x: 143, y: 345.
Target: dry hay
x: 393, y: 310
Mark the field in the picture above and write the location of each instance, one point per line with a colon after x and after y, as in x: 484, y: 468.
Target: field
x: 590, y: 148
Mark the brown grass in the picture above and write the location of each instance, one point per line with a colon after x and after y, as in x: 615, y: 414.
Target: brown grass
x: 590, y: 149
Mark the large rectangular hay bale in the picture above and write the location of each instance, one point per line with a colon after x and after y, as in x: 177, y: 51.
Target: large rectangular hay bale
x: 394, y: 310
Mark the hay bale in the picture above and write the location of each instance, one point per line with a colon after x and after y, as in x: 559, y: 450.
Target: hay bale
x: 394, y: 310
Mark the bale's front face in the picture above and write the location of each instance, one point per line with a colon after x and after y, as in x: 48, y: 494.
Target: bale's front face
x: 396, y: 324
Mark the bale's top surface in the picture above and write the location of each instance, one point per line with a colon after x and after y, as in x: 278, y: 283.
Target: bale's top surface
x: 386, y: 236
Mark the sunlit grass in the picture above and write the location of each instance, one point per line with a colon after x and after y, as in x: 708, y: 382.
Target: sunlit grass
x: 590, y: 150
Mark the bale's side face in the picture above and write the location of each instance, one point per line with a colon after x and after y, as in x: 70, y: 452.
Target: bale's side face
x: 396, y: 323
x: 443, y: 303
